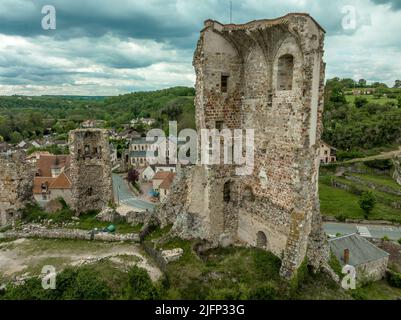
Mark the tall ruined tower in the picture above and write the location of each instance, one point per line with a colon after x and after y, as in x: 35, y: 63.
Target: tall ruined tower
x: 90, y: 170
x: 16, y: 186
x: 265, y: 75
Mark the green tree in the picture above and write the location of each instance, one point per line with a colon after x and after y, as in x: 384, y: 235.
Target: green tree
x: 397, y: 84
x: 367, y: 202
x: 132, y: 176
x: 360, y: 102
x: 362, y: 83
x: 16, y: 137
x: 139, y: 286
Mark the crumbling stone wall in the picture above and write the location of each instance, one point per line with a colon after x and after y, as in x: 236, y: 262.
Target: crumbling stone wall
x: 273, y: 83
x: 90, y: 170
x: 16, y: 186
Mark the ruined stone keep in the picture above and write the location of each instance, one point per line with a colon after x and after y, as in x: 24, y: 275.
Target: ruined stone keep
x: 90, y: 170
x: 16, y: 182
x: 266, y: 75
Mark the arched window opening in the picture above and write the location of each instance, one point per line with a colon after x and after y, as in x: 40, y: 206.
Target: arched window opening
x: 227, y: 191
x: 285, y: 70
x: 261, y: 240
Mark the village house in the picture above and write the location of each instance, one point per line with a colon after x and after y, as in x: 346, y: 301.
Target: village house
x: 92, y: 124
x: 370, y: 262
x: 366, y: 91
x: 162, y: 182
x: 147, y: 173
x: 34, y: 157
x: 145, y: 121
x: 52, y: 180
x: 139, y: 146
x: 166, y: 168
x: 327, y: 153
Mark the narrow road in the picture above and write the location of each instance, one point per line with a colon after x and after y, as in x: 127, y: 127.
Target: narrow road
x: 368, y: 231
x: 124, y: 195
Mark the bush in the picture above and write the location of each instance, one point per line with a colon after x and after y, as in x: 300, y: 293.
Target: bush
x: 71, y: 284
x: 367, y: 202
x: 30, y: 290
x: 335, y: 265
x: 381, y: 164
x: 83, y: 284
x: 348, y: 155
x: 34, y: 213
x: 394, y: 279
x: 385, y: 238
x: 341, y: 217
x: 399, y: 241
x: 140, y: 286
x: 360, y: 102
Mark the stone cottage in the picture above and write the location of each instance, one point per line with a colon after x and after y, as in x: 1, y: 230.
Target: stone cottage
x: 369, y: 261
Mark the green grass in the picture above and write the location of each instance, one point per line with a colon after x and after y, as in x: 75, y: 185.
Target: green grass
x: 88, y: 221
x: 379, y: 180
x: 335, y: 202
x: 370, y: 98
x: 379, y: 290
x: 381, y: 195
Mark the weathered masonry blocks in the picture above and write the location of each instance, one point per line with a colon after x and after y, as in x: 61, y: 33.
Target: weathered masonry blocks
x: 266, y: 75
x: 16, y: 182
x: 90, y: 170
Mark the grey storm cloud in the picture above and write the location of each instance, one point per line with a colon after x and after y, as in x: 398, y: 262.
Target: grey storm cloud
x: 395, y: 4
x: 110, y: 47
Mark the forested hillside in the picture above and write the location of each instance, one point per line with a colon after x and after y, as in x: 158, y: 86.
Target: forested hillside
x: 360, y: 124
x: 24, y: 117
x: 356, y: 124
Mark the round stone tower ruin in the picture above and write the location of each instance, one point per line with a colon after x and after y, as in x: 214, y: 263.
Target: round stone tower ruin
x: 90, y: 170
x: 265, y: 75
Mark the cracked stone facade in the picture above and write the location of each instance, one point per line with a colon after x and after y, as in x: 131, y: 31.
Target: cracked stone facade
x: 16, y: 185
x: 90, y: 170
x: 266, y: 75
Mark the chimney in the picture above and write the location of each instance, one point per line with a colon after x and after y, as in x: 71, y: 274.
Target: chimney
x: 346, y: 256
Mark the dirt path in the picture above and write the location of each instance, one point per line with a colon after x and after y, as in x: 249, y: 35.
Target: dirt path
x: 381, y: 156
x: 28, y: 256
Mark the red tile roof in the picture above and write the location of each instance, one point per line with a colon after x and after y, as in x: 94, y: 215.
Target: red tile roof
x: 60, y: 182
x: 46, y: 162
x: 161, y: 175
x: 168, y: 181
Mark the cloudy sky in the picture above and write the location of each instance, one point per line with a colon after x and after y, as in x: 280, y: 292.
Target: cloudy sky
x: 110, y: 47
